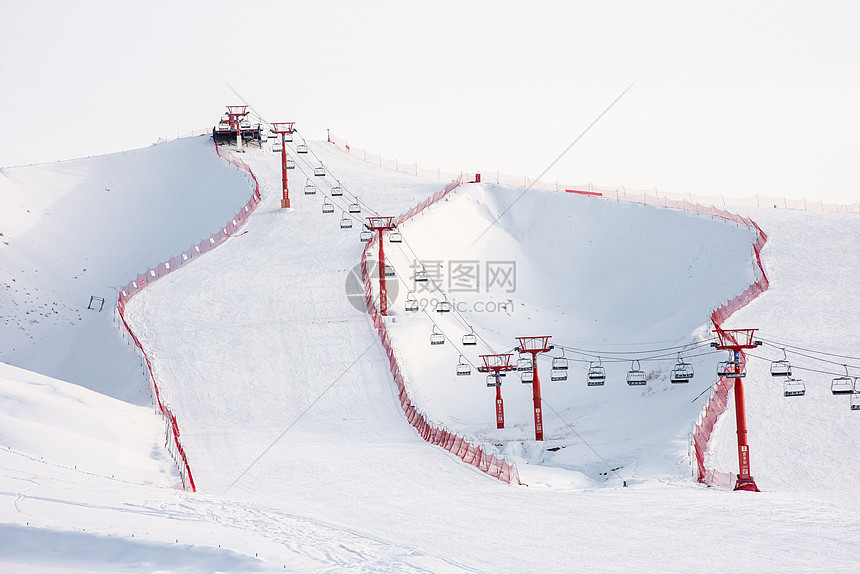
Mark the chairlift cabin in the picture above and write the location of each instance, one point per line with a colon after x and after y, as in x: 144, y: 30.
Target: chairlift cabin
x: 411, y: 303
x: 682, y: 372
x: 470, y: 339
x: 443, y: 306
x: 464, y: 369
x: 336, y: 191
x: 492, y: 382
x: 345, y: 222
x: 301, y: 148
x: 793, y: 388
x: 310, y: 189
x: 524, y: 364
x: 354, y: 208
x: 319, y: 171
x: 781, y: 368
x: 291, y: 164
x: 437, y: 338
x: 635, y: 376
x: 395, y: 237
x: 842, y: 385
x: 558, y: 375
x: 596, y: 376
x: 327, y: 207
x: 365, y: 236
x: 527, y: 377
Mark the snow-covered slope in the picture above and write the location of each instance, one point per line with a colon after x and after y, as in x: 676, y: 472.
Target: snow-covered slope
x: 808, y: 443
x: 303, y: 457
x: 594, y: 275
x: 83, y: 228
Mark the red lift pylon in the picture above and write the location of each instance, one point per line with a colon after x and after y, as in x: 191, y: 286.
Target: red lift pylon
x: 495, y: 365
x: 535, y: 346
x: 381, y: 224
x: 284, y: 128
x: 735, y: 340
x: 235, y: 115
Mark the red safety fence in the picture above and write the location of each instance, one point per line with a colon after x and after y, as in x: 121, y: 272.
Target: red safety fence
x: 435, y: 434
x: 172, y: 438
x: 718, y: 400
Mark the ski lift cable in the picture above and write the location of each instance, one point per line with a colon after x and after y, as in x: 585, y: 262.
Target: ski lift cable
x: 809, y: 369
x: 436, y: 287
x: 683, y: 348
x: 316, y: 157
x: 796, y: 348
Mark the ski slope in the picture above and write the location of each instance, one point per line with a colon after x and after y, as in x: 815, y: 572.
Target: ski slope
x: 305, y: 463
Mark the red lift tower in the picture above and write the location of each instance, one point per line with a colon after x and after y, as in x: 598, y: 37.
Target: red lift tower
x: 235, y: 115
x: 381, y: 224
x: 496, y: 365
x: 284, y: 128
x: 535, y: 346
x: 734, y: 341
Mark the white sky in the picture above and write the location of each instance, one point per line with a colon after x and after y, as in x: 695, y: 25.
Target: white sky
x: 735, y: 97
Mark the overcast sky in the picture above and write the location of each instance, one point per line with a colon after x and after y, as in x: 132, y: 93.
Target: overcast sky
x: 736, y: 98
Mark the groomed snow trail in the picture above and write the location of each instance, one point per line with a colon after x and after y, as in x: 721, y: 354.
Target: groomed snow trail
x: 282, y: 391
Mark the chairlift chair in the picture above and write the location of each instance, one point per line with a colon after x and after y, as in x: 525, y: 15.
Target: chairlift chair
x: 443, y: 306
x: 559, y: 362
x: 781, y: 368
x: 288, y: 137
x: 411, y: 303
x: 437, y: 338
x: 463, y: 368
x: 491, y: 381
x: 596, y: 376
x: 345, y: 222
x: 558, y: 375
x: 635, y: 376
x: 354, y: 207
x: 682, y: 372
x: 524, y: 364
x: 855, y: 401
x: 793, y: 388
x: 421, y: 275
x: 470, y: 339
x: 842, y: 385
x: 365, y: 236
x: 277, y: 147
x: 310, y: 189
x: 327, y: 207
x: 319, y: 171
x: 395, y: 237
x: 336, y: 191
x: 527, y: 377
x: 389, y: 271
x: 727, y: 369
x: 291, y: 164
x: 301, y: 148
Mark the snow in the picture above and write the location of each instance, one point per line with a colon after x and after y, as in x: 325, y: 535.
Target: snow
x: 302, y: 457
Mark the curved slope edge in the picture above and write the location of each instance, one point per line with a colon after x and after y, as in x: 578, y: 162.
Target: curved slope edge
x: 173, y: 442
